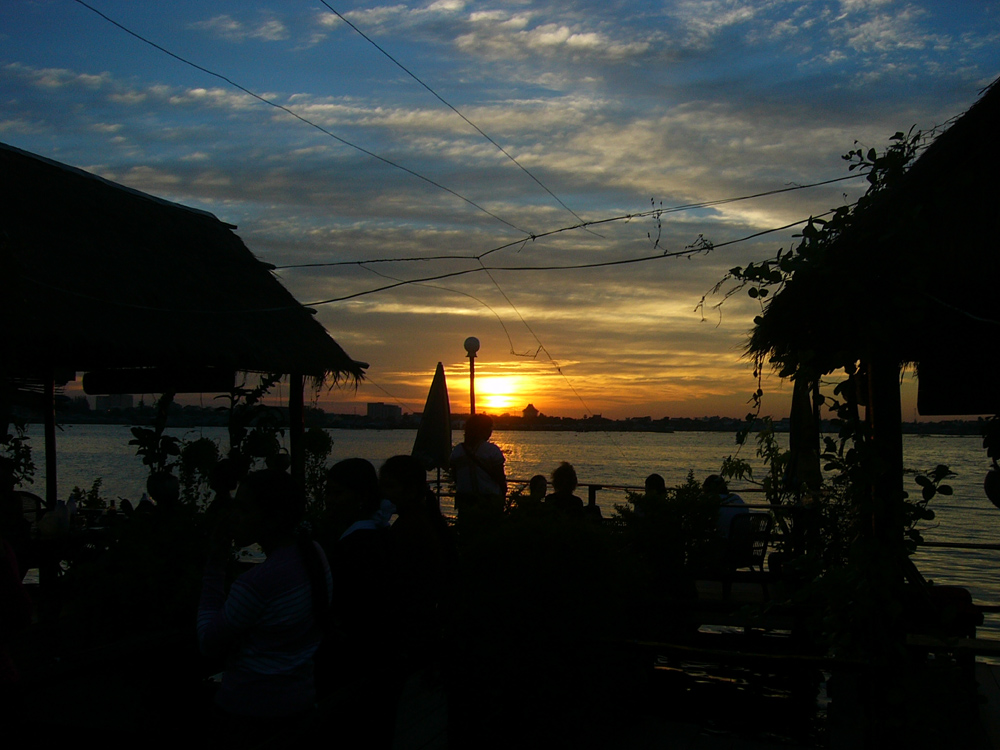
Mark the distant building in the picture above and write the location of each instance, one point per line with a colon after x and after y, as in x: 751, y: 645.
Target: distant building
x: 530, y: 412
x: 384, y: 412
x: 114, y: 401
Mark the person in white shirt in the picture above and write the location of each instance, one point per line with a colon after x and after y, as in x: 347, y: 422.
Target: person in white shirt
x: 730, y: 505
x: 478, y: 465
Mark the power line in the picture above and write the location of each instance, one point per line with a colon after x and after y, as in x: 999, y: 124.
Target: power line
x: 693, y: 250
x: 369, y: 381
x: 301, y: 118
x: 582, y: 225
x: 503, y: 325
x: 552, y: 361
x: 437, y: 96
x: 541, y: 346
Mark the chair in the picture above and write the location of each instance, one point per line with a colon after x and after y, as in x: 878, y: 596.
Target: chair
x: 746, y: 547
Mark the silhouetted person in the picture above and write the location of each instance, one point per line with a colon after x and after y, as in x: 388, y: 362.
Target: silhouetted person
x: 655, y: 486
x: 357, y: 656
x: 145, y: 506
x: 352, y: 500
x: 730, y: 505
x: 532, y: 501
x: 165, y: 490
x: 268, y: 625
x: 538, y: 487
x: 562, y: 499
x: 478, y: 465
x: 421, y: 554
x: 419, y: 550
x: 654, y: 493
x: 110, y: 515
x: 15, y: 606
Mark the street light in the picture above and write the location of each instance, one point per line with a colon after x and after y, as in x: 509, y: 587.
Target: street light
x: 472, y: 346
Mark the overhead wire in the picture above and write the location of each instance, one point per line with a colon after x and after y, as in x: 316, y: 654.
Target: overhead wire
x: 301, y: 118
x: 369, y: 381
x: 503, y: 325
x: 582, y: 225
x: 441, y: 99
x: 541, y: 345
x: 552, y: 361
x: 691, y: 250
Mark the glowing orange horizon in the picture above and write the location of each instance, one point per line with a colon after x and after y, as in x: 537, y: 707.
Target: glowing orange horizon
x: 500, y: 393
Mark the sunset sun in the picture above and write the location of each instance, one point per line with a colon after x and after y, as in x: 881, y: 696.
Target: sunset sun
x: 498, y: 394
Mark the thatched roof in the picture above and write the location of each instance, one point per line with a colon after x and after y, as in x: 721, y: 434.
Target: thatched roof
x: 96, y: 275
x: 916, y: 275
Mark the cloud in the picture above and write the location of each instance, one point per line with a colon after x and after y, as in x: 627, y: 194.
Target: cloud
x: 216, y: 97
x: 448, y: 6
x: 57, y: 78
x: 855, y: 6
x: 267, y: 28
x: 491, y: 34
x: 500, y: 36
x: 381, y: 15
x: 699, y: 22
x: 885, y: 33
x: 17, y: 125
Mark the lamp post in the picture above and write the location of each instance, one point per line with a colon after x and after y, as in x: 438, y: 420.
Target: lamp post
x: 472, y: 346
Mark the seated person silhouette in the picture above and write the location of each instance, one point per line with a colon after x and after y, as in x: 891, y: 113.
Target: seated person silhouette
x: 730, y: 505
x: 562, y: 498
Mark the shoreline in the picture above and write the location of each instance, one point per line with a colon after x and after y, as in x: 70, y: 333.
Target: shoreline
x: 143, y: 417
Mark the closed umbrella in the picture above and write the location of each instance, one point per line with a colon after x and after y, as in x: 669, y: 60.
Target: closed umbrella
x: 803, y: 475
x: 803, y: 440
x: 433, y: 443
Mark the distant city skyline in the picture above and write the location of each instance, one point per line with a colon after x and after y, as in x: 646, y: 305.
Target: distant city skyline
x: 610, y: 109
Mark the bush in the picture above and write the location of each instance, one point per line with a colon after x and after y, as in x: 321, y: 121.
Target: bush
x: 673, y: 535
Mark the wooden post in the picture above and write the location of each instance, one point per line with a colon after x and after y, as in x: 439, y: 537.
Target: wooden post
x: 6, y: 404
x: 592, y: 493
x: 51, y: 485
x: 297, y: 426
x: 887, y: 442
x: 886, y: 554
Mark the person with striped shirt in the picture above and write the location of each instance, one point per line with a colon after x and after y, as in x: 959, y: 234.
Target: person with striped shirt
x: 270, y: 622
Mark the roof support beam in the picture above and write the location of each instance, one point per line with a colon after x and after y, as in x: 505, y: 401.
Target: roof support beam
x: 297, y: 426
x: 885, y: 412
x: 51, y: 486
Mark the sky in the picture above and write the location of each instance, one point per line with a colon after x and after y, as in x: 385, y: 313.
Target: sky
x: 358, y: 156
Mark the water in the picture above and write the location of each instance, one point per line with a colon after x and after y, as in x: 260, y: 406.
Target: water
x: 90, y: 451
